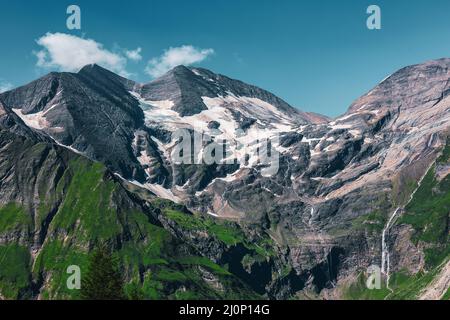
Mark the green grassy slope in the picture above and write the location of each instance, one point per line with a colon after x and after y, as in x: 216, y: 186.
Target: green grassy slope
x: 94, y: 208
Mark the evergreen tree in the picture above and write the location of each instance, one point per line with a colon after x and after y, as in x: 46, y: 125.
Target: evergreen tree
x: 102, y: 281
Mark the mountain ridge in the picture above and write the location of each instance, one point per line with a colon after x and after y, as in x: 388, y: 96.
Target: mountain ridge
x: 320, y: 214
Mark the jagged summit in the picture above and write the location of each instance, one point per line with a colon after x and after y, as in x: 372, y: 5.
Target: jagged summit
x: 181, y: 86
x: 99, y: 74
x: 98, y: 112
x: 187, y: 87
x: 416, y: 85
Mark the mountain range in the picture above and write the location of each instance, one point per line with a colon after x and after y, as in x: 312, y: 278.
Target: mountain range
x: 87, y: 158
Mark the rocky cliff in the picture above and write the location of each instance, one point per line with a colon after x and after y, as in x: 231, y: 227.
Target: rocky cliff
x: 309, y: 229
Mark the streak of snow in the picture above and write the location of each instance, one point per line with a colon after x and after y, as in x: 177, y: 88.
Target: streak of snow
x: 162, y: 192
x: 157, y: 189
x: 36, y: 120
x: 213, y: 214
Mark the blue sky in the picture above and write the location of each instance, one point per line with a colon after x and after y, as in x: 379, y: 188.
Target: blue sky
x: 318, y: 55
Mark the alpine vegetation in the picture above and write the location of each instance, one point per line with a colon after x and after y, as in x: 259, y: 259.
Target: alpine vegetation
x: 198, y: 186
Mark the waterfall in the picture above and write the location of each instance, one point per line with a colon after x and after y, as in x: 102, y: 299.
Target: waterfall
x: 385, y: 258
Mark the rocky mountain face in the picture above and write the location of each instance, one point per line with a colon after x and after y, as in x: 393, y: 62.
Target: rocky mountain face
x: 309, y: 229
x: 56, y: 206
x: 90, y: 111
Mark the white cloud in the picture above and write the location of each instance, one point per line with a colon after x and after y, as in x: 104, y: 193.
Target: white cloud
x: 173, y: 57
x: 134, y: 55
x: 70, y: 53
x: 5, y: 86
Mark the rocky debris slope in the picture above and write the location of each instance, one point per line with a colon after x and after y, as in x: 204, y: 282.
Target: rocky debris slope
x: 439, y: 286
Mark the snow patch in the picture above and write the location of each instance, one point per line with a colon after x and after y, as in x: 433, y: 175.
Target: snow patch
x: 157, y: 189
x: 162, y: 192
x: 213, y: 214
x: 36, y: 120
